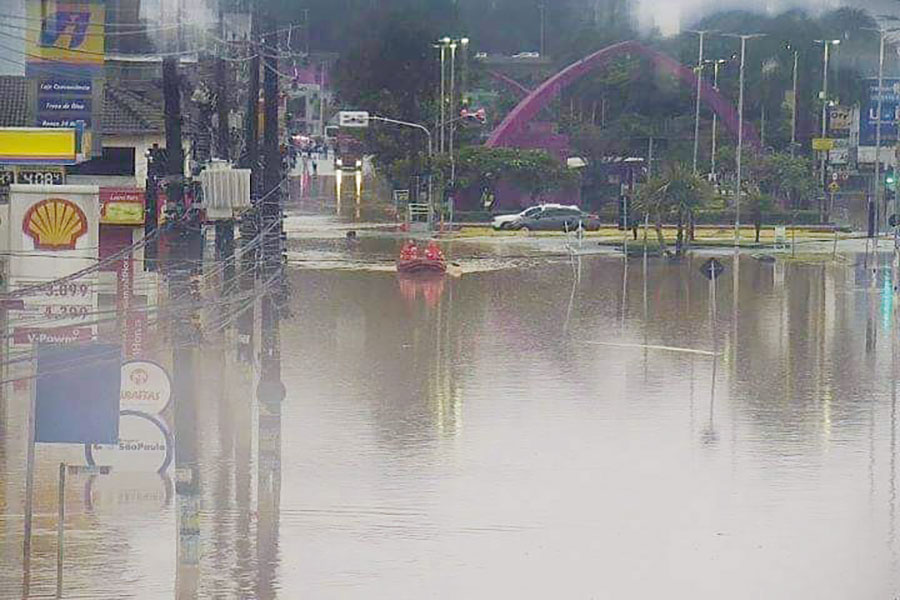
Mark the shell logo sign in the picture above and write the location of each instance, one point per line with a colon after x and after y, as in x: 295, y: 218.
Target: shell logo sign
x: 55, y: 224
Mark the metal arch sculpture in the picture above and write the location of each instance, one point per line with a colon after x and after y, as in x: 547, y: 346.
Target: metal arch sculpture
x: 510, y: 83
x: 505, y: 133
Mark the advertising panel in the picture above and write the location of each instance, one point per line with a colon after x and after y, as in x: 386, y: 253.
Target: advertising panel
x: 840, y: 118
x: 890, y: 110
x: 121, y: 206
x: 70, y: 38
x: 64, y: 56
x: 53, y: 232
x: 30, y: 145
x: 77, y: 394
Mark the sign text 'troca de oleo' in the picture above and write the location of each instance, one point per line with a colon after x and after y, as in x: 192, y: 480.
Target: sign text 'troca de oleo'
x: 53, y: 232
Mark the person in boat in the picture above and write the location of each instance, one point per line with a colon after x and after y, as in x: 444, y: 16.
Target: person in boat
x: 433, y: 252
x: 409, y: 251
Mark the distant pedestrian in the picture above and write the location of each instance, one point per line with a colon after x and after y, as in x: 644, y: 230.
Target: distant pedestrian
x: 315, y: 168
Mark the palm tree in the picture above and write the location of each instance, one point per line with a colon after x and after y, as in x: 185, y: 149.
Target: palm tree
x: 673, y: 195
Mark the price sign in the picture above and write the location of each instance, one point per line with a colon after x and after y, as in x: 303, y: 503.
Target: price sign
x: 7, y: 176
x: 42, y: 176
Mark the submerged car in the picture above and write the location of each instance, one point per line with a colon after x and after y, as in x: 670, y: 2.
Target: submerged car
x: 556, y: 218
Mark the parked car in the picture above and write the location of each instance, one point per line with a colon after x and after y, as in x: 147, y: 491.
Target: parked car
x: 527, y: 55
x: 504, y: 221
x: 557, y: 218
x: 481, y: 55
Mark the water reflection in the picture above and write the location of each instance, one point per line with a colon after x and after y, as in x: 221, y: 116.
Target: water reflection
x: 502, y: 434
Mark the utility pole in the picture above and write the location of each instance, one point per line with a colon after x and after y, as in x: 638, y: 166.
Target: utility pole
x: 224, y: 228
x: 249, y: 226
x: 185, y: 251
x: 270, y: 390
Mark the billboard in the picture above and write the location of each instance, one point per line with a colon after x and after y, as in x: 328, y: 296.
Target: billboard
x: 64, y: 60
x: 70, y: 39
x: 121, y: 206
x: 77, y: 394
x: 890, y: 111
x: 53, y: 232
x: 31, y: 145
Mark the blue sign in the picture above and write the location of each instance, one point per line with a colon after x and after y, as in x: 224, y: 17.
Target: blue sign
x: 55, y: 121
x: 890, y: 112
x: 68, y: 87
x: 69, y: 105
x: 77, y: 394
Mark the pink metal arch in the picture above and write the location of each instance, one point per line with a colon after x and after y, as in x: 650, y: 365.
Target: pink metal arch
x: 510, y: 83
x: 505, y: 133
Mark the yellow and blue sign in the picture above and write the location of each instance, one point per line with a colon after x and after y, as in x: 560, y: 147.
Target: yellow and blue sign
x: 31, y: 145
x: 70, y: 39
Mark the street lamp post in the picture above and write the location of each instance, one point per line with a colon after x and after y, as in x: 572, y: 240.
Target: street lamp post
x: 740, y: 145
x: 717, y: 64
x: 824, y: 153
x: 702, y: 33
x: 452, y: 91
x: 443, y: 46
x: 794, y: 101
x: 427, y: 133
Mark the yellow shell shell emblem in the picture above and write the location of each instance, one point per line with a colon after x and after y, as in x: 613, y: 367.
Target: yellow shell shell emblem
x: 55, y: 224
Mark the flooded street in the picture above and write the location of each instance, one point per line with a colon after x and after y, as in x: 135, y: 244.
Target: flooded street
x: 538, y: 428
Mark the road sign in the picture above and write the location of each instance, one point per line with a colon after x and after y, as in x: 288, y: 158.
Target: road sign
x: 712, y: 269
x: 823, y: 144
x: 834, y: 188
x: 401, y: 196
x: 353, y: 118
x: 77, y: 394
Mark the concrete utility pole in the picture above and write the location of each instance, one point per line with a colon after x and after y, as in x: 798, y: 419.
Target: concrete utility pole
x: 249, y: 226
x: 224, y: 228
x: 272, y: 218
x: 185, y: 252
x: 270, y: 390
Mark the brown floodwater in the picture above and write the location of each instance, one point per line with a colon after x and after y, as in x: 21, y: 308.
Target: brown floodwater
x: 538, y: 428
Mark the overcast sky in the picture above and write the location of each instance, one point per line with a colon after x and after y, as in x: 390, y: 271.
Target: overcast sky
x: 671, y: 15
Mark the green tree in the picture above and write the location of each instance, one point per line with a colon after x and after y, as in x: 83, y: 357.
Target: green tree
x: 535, y: 172
x: 789, y: 179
